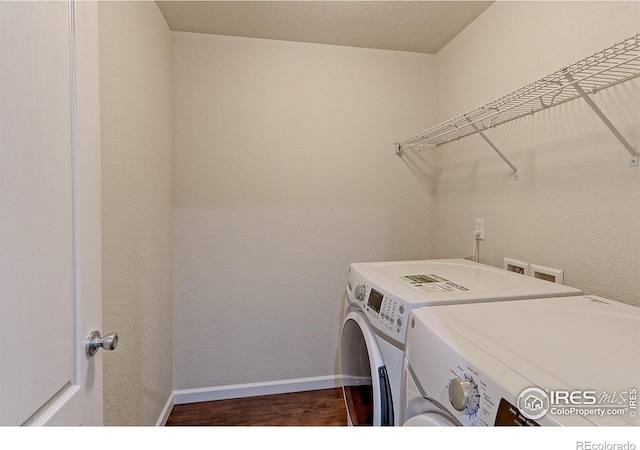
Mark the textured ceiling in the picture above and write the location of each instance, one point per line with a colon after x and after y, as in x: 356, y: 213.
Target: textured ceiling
x: 414, y: 26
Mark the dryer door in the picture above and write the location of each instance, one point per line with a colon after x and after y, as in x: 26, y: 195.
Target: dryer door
x: 365, y: 383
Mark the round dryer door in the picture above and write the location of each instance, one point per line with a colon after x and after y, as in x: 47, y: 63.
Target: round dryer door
x: 365, y: 383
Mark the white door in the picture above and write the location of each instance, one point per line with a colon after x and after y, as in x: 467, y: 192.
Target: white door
x: 50, y: 241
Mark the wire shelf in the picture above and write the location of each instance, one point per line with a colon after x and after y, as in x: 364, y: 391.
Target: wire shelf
x: 613, y: 65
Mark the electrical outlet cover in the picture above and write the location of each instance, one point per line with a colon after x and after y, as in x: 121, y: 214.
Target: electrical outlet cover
x: 547, y: 273
x: 513, y: 265
x: 480, y: 228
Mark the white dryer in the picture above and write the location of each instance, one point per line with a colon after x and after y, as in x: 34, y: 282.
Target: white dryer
x: 380, y: 297
x: 556, y: 361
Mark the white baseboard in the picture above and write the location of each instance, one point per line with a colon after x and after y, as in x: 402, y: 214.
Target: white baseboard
x: 166, y: 411
x: 183, y: 396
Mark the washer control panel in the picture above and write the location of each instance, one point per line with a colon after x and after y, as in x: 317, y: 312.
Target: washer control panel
x: 463, y: 394
x: 478, y: 400
x: 468, y: 394
x: 475, y: 387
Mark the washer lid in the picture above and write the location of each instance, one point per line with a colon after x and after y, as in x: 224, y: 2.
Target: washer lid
x: 586, y: 343
x: 449, y: 281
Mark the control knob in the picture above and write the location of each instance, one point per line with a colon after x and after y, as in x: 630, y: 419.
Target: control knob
x: 360, y: 291
x: 463, y: 394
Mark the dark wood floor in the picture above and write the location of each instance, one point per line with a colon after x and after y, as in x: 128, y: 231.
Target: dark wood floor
x: 311, y: 408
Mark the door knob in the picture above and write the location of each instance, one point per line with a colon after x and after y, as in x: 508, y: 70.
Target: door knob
x: 95, y: 342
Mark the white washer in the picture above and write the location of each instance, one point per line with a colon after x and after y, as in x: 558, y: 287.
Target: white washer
x: 381, y: 296
x: 569, y: 361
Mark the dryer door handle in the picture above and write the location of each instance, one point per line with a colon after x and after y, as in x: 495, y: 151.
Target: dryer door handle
x: 386, y: 404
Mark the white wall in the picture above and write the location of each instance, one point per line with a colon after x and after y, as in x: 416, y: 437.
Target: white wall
x: 135, y: 89
x: 284, y: 173
x: 576, y: 204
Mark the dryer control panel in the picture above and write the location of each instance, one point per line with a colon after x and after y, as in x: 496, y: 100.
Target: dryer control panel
x: 386, y: 313
x: 386, y: 310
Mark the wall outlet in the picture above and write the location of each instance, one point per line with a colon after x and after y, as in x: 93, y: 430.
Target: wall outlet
x: 547, y: 273
x: 480, y: 228
x: 513, y: 265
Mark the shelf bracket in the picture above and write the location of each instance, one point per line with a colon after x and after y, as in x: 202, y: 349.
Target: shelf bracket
x: 400, y: 149
x: 516, y: 174
x: 607, y: 122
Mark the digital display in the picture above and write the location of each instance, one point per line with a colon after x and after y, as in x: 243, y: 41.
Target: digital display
x: 508, y: 415
x: 375, y: 300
